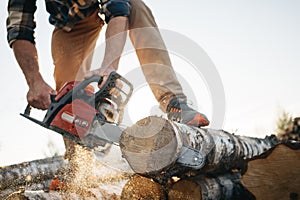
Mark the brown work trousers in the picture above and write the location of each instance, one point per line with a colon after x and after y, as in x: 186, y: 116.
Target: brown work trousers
x: 72, y: 53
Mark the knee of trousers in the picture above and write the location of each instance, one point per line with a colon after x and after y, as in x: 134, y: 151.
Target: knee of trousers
x: 140, y: 15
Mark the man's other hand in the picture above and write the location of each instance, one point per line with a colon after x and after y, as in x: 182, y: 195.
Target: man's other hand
x: 38, y: 95
x: 103, y: 71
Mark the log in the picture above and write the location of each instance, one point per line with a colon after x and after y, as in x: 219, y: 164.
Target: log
x: 202, y: 187
x: 70, y: 194
x: 292, y: 132
x: 142, y: 188
x: 203, y: 159
x: 275, y: 174
x: 21, y: 174
x: 34, y: 175
x: 226, y: 186
x: 155, y: 146
x: 105, y: 181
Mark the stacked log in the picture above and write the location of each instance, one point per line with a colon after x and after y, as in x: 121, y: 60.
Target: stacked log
x: 292, y: 132
x: 276, y: 173
x: 226, y: 187
x: 31, y: 180
x: 139, y: 187
x: 35, y: 175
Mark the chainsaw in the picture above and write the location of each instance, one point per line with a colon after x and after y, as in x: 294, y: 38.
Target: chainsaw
x: 89, y: 117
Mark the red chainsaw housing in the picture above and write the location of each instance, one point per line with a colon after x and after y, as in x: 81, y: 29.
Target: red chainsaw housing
x: 69, y: 86
x: 75, y: 118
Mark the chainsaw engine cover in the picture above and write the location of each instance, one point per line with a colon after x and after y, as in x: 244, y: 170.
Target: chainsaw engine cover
x: 75, y: 118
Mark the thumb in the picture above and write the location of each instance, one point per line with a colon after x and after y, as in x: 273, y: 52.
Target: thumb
x: 103, y: 81
x: 88, y: 74
x: 53, y: 92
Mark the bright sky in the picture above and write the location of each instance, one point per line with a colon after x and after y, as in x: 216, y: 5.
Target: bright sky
x: 254, y: 45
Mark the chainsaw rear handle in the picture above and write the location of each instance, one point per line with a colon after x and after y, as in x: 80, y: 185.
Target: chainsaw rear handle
x: 29, y: 107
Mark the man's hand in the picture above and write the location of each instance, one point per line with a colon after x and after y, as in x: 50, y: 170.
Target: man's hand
x: 103, y: 71
x: 38, y: 95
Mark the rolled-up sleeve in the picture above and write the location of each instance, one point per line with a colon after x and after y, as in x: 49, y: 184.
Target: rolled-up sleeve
x: 20, y: 22
x: 114, y: 8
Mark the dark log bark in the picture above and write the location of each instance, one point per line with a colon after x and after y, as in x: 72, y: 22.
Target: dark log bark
x: 154, y: 144
x: 222, y: 187
x: 276, y: 174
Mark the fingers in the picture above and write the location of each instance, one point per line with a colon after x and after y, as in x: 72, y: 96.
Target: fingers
x: 103, y: 72
x: 39, y: 97
x: 39, y: 102
x: 104, y: 79
x: 53, y: 92
x: 89, y: 74
x: 97, y: 72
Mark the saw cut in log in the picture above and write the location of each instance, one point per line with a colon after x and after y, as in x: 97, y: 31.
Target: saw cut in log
x: 142, y: 188
x: 201, y: 187
x: 276, y: 174
x: 154, y: 144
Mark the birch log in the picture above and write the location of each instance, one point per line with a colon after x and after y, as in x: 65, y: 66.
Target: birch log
x: 35, y: 174
x: 223, y: 187
x: 154, y: 145
x: 70, y: 194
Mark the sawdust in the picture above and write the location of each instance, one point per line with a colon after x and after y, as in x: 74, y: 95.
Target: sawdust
x: 87, y: 177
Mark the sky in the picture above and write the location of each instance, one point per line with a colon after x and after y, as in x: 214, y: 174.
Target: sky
x: 254, y: 46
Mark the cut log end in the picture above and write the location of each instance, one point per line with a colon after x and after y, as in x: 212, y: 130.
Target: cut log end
x: 279, y: 174
x: 151, y: 140
x: 185, y: 189
x: 141, y: 188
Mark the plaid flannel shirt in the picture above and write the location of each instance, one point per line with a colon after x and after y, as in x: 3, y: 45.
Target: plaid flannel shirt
x: 63, y: 14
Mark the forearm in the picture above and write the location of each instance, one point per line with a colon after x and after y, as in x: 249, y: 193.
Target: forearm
x: 116, y: 35
x: 27, y: 58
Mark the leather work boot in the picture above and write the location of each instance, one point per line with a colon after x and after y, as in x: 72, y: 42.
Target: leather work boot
x: 179, y: 111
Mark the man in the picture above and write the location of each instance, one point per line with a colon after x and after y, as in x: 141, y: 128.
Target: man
x: 77, y: 26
